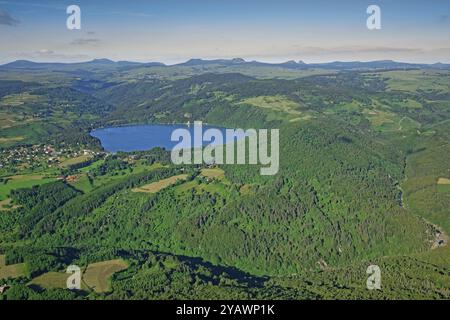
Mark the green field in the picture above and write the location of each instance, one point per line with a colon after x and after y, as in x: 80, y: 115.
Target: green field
x: 154, y: 187
x: 443, y: 185
x: 92, y: 166
x: 213, y: 173
x: 82, y: 182
x: 76, y: 160
x: 97, y: 276
x: 21, y: 181
x: 415, y: 80
x: 276, y: 103
x: 51, y: 280
x: 12, y: 271
x: 10, y: 140
x: 54, y: 280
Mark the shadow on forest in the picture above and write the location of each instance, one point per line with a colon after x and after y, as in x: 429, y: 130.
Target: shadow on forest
x: 240, y: 276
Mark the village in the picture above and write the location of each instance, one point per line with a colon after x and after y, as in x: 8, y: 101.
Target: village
x: 42, y: 156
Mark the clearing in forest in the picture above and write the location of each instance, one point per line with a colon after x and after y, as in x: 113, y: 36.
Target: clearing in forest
x: 98, y: 275
x: 214, y: 173
x: 21, y: 181
x: 443, y: 181
x: 277, y: 103
x: 161, y: 184
x: 51, y: 280
x: 12, y: 271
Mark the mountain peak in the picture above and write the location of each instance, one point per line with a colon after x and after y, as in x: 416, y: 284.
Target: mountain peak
x: 238, y: 60
x: 20, y: 63
x: 290, y: 62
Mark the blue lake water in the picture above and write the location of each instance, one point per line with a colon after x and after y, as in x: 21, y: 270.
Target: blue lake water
x: 145, y: 137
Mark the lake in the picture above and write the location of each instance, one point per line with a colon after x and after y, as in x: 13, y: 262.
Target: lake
x: 144, y: 137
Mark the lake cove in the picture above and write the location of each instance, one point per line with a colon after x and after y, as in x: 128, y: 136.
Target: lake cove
x: 143, y: 137
x: 187, y: 310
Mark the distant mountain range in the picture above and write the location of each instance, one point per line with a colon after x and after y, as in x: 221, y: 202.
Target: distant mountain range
x: 59, y: 66
x: 298, y: 65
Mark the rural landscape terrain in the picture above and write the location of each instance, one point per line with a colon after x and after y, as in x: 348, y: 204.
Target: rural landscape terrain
x: 364, y: 180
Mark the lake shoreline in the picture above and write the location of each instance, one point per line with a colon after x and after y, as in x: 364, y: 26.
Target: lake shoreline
x: 144, y: 137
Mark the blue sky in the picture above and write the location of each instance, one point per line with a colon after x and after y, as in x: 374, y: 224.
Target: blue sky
x: 172, y: 31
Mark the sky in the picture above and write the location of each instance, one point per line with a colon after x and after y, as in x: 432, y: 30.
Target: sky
x: 173, y: 31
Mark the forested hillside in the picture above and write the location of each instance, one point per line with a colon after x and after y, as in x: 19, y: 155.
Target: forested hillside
x: 364, y: 179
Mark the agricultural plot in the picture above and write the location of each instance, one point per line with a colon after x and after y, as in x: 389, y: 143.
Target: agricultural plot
x: 444, y: 188
x: 161, y: 184
x: 199, y: 186
x: 51, y: 280
x: 76, y: 160
x: 12, y: 271
x: 386, y: 121
x: 215, y: 173
x: 7, y: 120
x: 10, y: 140
x: 443, y: 185
x: 54, y: 280
x: 412, y: 104
x: 21, y: 181
x: 275, y: 103
x: 246, y: 189
x: 6, y: 205
x: 92, y: 166
x: 97, y: 275
x: 443, y: 181
x: 17, y: 100
x: 83, y: 183
x: 417, y: 79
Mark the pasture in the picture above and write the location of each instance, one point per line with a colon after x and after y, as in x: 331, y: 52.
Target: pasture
x: 6, y: 205
x: 71, y: 161
x: 12, y: 271
x: 161, y: 184
x: 98, y: 275
x: 11, y: 139
x: 215, y: 173
x: 443, y: 181
x: 199, y: 186
x: 95, y: 277
x: 414, y: 80
x: 21, y: 181
x: 51, y: 280
x: 276, y: 103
